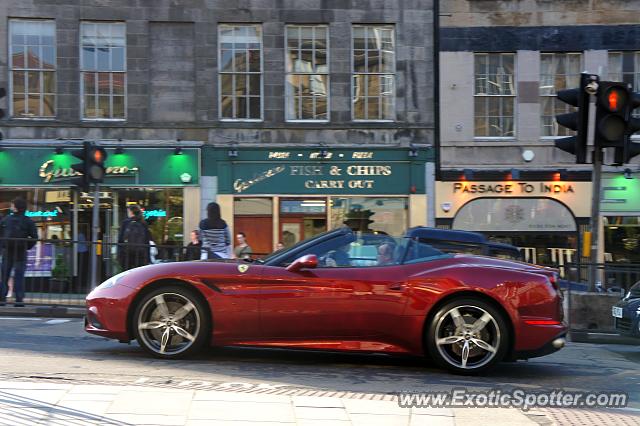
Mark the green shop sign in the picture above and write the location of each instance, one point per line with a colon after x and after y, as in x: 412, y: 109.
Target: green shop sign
x: 135, y: 166
x: 315, y: 172
x: 620, y: 195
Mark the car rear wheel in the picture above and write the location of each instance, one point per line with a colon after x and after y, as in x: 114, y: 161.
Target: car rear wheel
x: 171, y: 322
x: 467, y: 336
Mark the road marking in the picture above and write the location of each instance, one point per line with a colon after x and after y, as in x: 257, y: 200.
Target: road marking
x: 57, y: 321
x: 21, y: 319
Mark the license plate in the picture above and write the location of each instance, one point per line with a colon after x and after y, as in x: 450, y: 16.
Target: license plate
x: 616, y: 311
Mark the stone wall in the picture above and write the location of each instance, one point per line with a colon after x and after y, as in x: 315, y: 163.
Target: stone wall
x: 172, y: 69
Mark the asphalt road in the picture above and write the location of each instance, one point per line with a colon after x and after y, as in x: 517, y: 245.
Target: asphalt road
x: 58, y: 350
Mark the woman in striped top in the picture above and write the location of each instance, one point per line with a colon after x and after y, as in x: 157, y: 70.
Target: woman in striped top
x: 214, y: 234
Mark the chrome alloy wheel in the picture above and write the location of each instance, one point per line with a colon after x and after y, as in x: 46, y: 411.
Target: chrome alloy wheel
x: 467, y: 337
x: 169, y: 324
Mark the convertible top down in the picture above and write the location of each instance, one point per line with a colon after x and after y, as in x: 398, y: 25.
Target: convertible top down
x: 341, y: 290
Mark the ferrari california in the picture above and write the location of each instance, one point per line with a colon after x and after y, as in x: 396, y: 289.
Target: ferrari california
x: 340, y: 291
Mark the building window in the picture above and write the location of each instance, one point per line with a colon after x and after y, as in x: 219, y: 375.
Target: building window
x: 494, y: 95
x: 625, y: 66
x: 32, y: 61
x: 103, y: 69
x: 373, y: 65
x: 307, y: 85
x: 558, y: 71
x: 240, y: 76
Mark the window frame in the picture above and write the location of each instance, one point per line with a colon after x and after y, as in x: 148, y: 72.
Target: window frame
x: 353, y: 73
x: 555, y: 95
x: 40, y: 72
x: 221, y: 73
x: 327, y: 74
x: 82, y: 71
x: 514, y: 97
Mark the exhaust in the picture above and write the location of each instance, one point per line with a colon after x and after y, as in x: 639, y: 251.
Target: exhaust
x: 559, y: 343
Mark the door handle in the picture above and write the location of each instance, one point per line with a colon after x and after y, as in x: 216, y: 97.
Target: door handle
x: 396, y: 286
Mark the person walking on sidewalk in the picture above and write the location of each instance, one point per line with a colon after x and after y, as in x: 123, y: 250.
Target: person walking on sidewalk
x: 193, y: 251
x: 214, y: 234
x: 134, y: 240
x: 18, y: 234
x: 242, y: 250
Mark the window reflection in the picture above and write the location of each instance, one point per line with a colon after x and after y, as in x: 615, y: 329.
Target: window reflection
x: 33, y: 49
x: 307, y: 80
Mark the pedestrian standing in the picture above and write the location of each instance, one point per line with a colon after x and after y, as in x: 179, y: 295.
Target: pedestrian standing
x: 242, y: 250
x: 214, y: 232
x: 134, y: 240
x: 193, y: 251
x: 18, y: 234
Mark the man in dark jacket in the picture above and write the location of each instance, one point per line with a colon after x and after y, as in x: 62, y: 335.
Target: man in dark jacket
x: 134, y: 239
x: 18, y: 234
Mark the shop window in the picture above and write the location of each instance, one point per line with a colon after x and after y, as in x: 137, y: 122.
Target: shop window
x: 622, y: 239
x: 32, y: 61
x: 307, y: 81
x: 103, y: 76
x: 163, y: 212
x: 558, y: 71
x: 373, y: 72
x: 494, y: 95
x: 386, y: 215
x: 240, y: 72
x: 252, y: 206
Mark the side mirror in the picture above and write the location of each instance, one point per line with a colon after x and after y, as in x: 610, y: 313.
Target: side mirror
x: 309, y: 261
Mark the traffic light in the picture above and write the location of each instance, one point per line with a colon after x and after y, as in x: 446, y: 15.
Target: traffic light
x: 92, y: 166
x: 578, y: 120
x: 630, y: 149
x: 615, y: 122
x: 612, y: 114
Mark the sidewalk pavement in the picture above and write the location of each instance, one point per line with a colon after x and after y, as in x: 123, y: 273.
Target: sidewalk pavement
x: 27, y: 403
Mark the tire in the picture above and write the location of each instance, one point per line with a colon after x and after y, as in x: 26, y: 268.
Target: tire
x: 467, y: 325
x: 171, y: 322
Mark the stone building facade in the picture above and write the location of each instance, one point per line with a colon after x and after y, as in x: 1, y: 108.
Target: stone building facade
x: 501, y: 65
x: 244, y: 88
x: 172, y: 64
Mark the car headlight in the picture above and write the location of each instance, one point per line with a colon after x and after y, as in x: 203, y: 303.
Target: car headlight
x: 113, y: 281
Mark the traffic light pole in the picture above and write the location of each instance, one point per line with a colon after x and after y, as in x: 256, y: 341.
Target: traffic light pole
x: 95, y: 226
x: 595, y: 197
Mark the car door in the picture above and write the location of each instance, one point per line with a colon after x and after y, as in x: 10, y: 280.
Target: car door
x: 356, y: 301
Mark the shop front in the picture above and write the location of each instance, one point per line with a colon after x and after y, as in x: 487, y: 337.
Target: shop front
x: 163, y: 181
x: 285, y: 196
x: 620, y: 211
x: 543, y: 218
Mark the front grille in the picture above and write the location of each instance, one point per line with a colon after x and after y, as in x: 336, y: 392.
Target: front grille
x: 623, y: 324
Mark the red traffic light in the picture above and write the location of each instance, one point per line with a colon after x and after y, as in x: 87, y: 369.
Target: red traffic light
x: 615, y: 98
x: 98, y: 155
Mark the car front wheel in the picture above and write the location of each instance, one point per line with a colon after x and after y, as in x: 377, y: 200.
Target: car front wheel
x: 171, y: 322
x: 467, y: 336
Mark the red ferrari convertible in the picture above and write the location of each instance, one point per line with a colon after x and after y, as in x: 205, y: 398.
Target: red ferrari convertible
x: 340, y: 291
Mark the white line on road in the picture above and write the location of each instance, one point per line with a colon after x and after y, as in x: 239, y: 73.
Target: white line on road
x: 57, y: 321
x: 21, y: 319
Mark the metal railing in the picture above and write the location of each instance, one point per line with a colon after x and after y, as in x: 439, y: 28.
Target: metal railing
x: 609, y: 277
x: 57, y: 272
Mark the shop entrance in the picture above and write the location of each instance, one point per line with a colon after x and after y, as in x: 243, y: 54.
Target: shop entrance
x: 301, y: 218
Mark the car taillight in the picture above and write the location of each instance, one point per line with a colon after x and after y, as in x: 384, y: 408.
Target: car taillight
x: 542, y: 322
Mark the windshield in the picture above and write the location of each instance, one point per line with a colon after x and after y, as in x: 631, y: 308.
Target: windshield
x: 293, y: 248
x: 347, y: 249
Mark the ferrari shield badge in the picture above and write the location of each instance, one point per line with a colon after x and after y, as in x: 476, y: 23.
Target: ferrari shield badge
x: 243, y: 268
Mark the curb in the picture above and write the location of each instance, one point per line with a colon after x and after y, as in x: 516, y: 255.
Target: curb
x: 42, y: 311
x: 602, y: 337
